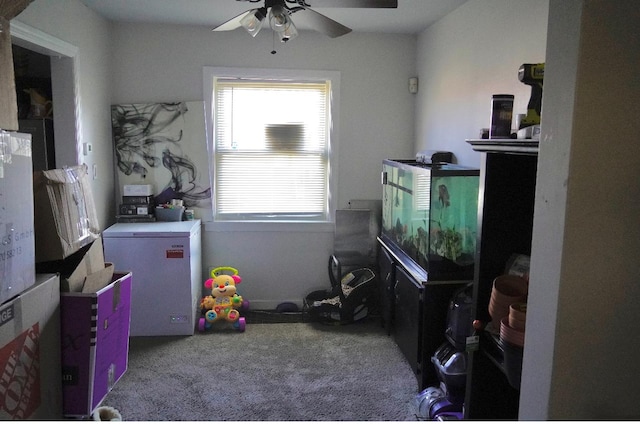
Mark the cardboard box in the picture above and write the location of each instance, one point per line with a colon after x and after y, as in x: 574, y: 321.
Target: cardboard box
x: 92, y: 273
x: 83, y: 271
x: 17, y: 240
x: 95, y: 327
x: 95, y: 310
x: 30, y: 379
x: 65, y: 213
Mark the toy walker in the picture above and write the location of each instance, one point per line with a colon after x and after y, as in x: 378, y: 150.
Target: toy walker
x: 224, y: 301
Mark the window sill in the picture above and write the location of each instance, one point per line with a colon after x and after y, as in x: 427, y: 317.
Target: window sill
x: 269, y: 226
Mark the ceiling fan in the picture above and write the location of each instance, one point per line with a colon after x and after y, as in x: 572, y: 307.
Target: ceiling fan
x: 278, y: 15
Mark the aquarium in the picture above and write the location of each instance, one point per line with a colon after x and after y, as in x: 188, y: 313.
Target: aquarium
x: 430, y: 212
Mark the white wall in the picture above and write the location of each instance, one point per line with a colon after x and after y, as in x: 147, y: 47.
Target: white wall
x: 586, y: 230
x: 467, y: 56
x: 74, y: 23
x: 164, y: 63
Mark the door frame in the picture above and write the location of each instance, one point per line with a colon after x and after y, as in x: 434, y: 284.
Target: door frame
x: 64, y: 86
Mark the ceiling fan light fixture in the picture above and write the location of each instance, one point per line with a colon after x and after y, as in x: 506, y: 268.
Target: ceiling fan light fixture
x: 278, y: 18
x: 278, y: 14
x: 289, y: 33
x: 281, y: 23
x: 252, y: 22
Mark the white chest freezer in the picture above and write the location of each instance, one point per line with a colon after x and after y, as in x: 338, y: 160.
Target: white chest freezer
x: 165, y: 259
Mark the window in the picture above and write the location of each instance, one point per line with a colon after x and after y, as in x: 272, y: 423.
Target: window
x: 272, y: 145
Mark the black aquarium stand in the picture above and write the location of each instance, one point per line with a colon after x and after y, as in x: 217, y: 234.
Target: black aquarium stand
x: 414, y: 310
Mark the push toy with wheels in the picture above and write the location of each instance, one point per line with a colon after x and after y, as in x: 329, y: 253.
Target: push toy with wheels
x: 224, y: 301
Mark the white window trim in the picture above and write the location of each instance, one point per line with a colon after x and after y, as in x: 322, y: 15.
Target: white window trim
x: 208, y: 74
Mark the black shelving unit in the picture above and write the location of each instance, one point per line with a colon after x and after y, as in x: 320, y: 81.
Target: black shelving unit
x: 505, y: 223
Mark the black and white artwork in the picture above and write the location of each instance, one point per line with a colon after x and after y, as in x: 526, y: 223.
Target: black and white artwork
x: 164, y: 144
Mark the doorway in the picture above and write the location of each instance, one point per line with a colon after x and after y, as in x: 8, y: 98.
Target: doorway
x: 55, y: 61
x: 32, y: 73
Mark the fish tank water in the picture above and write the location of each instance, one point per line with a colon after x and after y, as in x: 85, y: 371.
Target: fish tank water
x: 430, y: 213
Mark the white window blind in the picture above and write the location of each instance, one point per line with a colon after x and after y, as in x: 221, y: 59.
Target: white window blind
x: 271, y: 149
x: 422, y: 192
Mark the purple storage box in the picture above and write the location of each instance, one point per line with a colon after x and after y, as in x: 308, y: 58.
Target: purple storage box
x: 95, y: 344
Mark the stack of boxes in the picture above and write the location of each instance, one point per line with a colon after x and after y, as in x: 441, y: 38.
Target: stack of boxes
x: 137, y: 204
x: 64, y: 313
x: 30, y: 381
x: 95, y: 301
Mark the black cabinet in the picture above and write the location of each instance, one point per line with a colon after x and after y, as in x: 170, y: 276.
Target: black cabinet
x: 386, y: 282
x: 505, y: 223
x: 413, y: 310
x: 407, y: 318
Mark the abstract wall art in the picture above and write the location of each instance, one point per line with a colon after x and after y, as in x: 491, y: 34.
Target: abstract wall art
x: 164, y: 144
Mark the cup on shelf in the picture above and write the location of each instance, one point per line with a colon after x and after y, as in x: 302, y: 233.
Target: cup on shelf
x: 509, y: 334
x: 518, y: 316
x: 507, y: 290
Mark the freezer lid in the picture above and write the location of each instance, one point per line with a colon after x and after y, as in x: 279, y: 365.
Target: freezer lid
x: 152, y: 230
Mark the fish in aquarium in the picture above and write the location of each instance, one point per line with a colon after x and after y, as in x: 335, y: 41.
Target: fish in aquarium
x: 443, y: 195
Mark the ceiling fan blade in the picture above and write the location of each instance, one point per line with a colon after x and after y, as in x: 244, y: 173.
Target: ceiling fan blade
x: 318, y: 22
x: 353, y: 3
x: 232, y: 23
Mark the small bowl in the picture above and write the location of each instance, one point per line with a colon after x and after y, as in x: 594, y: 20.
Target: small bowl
x: 507, y: 333
x: 518, y: 311
x: 497, y: 312
x: 510, y: 287
x: 507, y: 290
x: 516, y: 324
x: 499, y: 303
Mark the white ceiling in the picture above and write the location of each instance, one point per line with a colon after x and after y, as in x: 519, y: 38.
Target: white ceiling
x: 411, y: 16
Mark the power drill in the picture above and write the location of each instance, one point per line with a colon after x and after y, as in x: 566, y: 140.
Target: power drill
x: 532, y: 74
